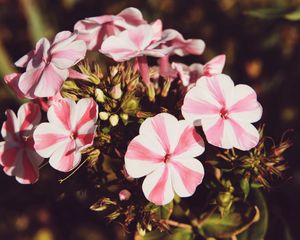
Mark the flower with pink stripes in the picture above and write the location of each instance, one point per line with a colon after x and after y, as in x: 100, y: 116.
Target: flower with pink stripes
x: 165, y: 152
x: 95, y: 30
x: 71, y: 128
x: 190, y: 74
x: 17, y: 154
x: 225, y: 111
x: 47, y: 65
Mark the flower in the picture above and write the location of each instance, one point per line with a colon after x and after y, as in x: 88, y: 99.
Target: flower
x: 190, y: 74
x: 225, y: 111
x: 17, y: 154
x: 71, y: 128
x: 12, y: 81
x: 164, y: 152
x: 134, y: 42
x: 95, y: 30
x: 47, y: 66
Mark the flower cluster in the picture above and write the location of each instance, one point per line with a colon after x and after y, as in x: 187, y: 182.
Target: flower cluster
x: 149, y: 117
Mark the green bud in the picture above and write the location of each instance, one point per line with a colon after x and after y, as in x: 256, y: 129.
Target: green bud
x: 124, y: 116
x: 151, y: 92
x: 224, y: 199
x: 114, y: 120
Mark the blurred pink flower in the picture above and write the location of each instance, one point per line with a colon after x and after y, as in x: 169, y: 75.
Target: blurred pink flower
x: 12, y: 80
x: 47, y: 66
x: 124, y: 195
x: 71, y: 128
x: 17, y: 154
x: 225, y: 111
x: 190, y: 74
x: 164, y: 152
x: 95, y: 30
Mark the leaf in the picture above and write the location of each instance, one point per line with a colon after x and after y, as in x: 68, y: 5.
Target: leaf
x: 293, y: 16
x: 258, y: 230
x: 268, y: 13
x: 230, y: 225
x: 165, y: 211
x: 175, y: 234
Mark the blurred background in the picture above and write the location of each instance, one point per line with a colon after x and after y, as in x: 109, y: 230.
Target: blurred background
x: 261, y: 41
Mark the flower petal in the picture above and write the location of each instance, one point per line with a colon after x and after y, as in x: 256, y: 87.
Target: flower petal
x: 143, y: 155
x: 65, y: 158
x: 243, y: 104
x: 63, y: 114
x: 10, y: 127
x: 157, y: 186
x: 12, y: 80
x: 29, y: 115
x: 190, y: 143
x: 162, y: 127
x: 48, y: 138
x: 132, y: 16
x: 187, y: 174
x: 214, y: 66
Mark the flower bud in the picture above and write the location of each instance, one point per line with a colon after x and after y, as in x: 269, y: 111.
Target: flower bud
x: 124, y: 195
x: 124, y: 116
x: 100, y: 97
x: 114, y: 120
x: 104, y: 115
x: 116, y: 91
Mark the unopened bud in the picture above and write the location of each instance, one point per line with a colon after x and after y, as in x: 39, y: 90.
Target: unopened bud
x: 114, y: 120
x: 116, y: 91
x: 151, y: 92
x: 124, y: 116
x: 104, y: 115
x: 124, y: 195
x: 100, y: 97
x: 224, y: 199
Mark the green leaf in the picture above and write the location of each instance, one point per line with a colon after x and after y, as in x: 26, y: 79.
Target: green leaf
x: 245, y: 186
x: 293, y: 16
x: 175, y: 234
x: 268, y: 13
x: 258, y: 230
x: 230, y: 225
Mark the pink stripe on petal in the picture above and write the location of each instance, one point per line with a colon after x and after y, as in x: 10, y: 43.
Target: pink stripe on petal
x: 8, y: 157
x: 29, y: 115
x: 215, y: 89
x: 62, y: 111
x: 159, y: 126
x: 43, y: 141
x: 157, y: 193
x: 136, y: 151
x: 199, y: 106
x: 190, y: 178
x: 188, y: 140
x: 30, y: 173
x: 215, y: 133
x: 244, y: 139
x: 248, y: 103
x: 89, y: 114
x: 85, y: 139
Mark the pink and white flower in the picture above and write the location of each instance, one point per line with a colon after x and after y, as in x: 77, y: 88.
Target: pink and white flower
x: 225, y: 111
x: 47, y: 66
x: 12, y: 80
x: 190, y: 74
x: 71, y: 128
x: 165, y: 152
x: 95, y: 30
x: 17, y: 154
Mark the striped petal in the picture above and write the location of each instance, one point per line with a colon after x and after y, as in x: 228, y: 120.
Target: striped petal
x: 12, y: 80
x: 29, y: 115
x: 11, y: 127
x: 48, y: 138
x: 86, y: 117
x: 162, y: 127
x: 243, y: 105
x: 143, y: 155
x: 157, y: 186
x: 214, y: 66
x: 190, y: 143
x: 63, y: 114
x: 66, y: 157
x: 187, y: 174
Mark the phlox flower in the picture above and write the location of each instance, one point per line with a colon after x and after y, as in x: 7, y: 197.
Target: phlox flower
x: 225, y: 111
x: 190, y: 74
x: 95, y: 30
x: 137, y: 42
x: 164, y: 152
x: 17, y: 155
x: 70, y: 129
x: 47, y: 65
